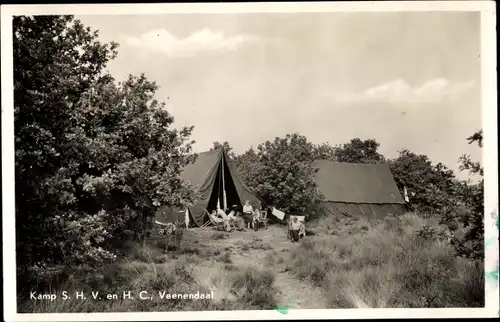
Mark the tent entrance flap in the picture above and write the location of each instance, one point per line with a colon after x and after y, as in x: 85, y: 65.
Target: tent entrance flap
x: 224, y: 190
x: 232, y: 196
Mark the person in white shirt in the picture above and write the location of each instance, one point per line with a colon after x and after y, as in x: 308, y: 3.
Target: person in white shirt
x: 247, y: 208
x: 247, y: 213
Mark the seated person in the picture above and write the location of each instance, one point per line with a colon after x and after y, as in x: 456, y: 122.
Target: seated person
x: 215, y: 217
x: 221, y: 214
x: 302, y: 230
x: 234, y: 215
x: 247, y: 208
x: 231, y: 217
x: 224, y: 218
x: 257, y: 211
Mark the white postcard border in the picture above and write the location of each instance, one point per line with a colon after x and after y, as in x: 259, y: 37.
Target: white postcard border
x: 490, y: 154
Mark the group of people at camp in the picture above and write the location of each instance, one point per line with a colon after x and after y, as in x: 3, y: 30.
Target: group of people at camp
x: 236, y: 218
x: 250, y: 218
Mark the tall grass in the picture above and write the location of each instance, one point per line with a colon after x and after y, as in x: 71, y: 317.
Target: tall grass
x: 147, y: 270
x: 388, y: 264
x: 355, y: 263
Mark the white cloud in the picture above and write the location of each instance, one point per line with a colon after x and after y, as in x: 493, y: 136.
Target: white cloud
x: 202, y: 41
x: 399, y: 91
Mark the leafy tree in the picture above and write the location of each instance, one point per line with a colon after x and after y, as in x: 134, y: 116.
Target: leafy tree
x: 430, y: 186
x: 466, y: 164
x: 229, y: 149
x: 359, y: 151
x: 92, y: 156
x: 471, y: 245
x: 247, y: 165
x: 282, y: 173
x: 325, y: 151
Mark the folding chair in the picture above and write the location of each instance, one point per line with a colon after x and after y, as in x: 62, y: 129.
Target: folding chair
x: 209, y: 222
x: 263, y: 218
x: 215, y: 221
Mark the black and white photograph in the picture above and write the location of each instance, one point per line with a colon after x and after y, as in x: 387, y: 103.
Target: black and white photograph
x: 231, y: 159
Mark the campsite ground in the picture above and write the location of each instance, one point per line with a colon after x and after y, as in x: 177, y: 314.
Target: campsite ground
x: 342, y: 263
x: 264, y: 249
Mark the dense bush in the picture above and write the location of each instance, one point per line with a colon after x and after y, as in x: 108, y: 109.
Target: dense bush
x: 435, y: 191
x: 469, y: 211
x: 430, y: 186
x: 282, y: 173
x: 93, y: 156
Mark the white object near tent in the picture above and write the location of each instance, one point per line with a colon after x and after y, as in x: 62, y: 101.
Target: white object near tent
x: 160, y: 223
x: 186, y: 218
x: 278, y: 214
x: 407, y: 199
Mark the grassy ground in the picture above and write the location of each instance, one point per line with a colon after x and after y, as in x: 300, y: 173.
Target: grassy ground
x: 401, y: 262
x: 342, y: 264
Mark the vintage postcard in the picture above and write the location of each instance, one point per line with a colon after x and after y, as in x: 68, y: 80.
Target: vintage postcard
x: 243, y: 161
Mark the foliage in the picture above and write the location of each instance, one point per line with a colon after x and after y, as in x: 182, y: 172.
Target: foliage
x: 247, y: 167
x: 474, y: 167
x: 282, y: 173
x: 325, y: 151
x: 92, y: 156
x: 229, y: 149
x: 471, y: 245
x: 359, y: 151
x: 430, y: 187
x: 435, y: 190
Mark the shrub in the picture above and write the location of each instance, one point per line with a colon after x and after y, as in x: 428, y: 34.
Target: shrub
x: 226, y: 258
x: 273, y: 258
x: 254, y: 288
x: 94, y: 158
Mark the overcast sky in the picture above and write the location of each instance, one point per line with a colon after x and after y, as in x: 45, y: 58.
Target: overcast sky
x: 409, y: 80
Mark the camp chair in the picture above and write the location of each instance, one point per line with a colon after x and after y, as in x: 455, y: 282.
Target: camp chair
x: 263, y: 218
x: 219, y: 223
x: 255, y: 223
x: 206, y: 224
x: 214, y: 220
x: 302, y: 230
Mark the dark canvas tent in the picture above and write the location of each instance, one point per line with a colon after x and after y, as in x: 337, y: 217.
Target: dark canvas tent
x: 358, y: 189
x: 211, y: 174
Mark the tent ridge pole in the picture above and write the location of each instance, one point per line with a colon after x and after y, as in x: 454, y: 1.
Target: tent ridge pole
x: 223, y: 183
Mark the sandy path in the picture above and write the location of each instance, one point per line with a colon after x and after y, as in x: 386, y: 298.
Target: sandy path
x: 291, y: 292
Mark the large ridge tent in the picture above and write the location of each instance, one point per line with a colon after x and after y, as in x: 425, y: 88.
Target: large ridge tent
x: 215, y: 178
x: 357, y: 189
